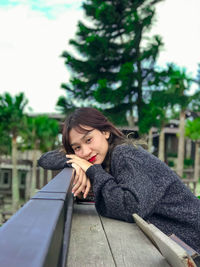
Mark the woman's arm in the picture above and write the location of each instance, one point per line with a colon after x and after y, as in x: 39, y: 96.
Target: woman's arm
x: 128, y: 190
x: 53, y: 160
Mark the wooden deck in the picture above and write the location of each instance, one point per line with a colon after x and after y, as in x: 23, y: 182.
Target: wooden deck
x: 98, y: 241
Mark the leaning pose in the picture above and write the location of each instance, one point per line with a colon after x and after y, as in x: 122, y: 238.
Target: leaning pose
x: 124, y: 177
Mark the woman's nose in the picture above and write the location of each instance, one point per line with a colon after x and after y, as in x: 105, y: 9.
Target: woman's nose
x: 86, y: 151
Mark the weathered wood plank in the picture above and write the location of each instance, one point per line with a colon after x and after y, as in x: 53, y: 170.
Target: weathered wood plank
x: 130, y: 247
x: 172, y: 251
x: 88, y: 245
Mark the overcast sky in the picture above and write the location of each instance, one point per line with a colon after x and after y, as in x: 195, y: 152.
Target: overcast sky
x: 34, y: 33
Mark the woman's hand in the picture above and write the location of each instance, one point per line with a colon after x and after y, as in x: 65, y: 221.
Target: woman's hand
x: 82, y: 163
x: 81, y: 182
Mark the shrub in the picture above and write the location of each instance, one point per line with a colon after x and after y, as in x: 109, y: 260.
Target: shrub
x: 188, y: 162
x: 170, y: 163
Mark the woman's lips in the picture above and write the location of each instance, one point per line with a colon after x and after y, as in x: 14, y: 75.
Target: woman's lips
x: 92, y: 159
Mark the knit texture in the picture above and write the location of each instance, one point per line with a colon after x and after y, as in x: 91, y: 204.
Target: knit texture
x: 140, y: 183
x: 53, y: 160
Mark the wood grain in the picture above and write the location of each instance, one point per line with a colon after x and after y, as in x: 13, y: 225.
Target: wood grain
x: 130, y: 247
x: 88, y: 245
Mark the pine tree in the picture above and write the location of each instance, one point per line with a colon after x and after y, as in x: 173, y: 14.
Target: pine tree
x: 116, y: 58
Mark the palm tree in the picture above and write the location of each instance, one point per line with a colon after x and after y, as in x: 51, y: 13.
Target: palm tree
x: 12, y: 119
x: 41, y: 134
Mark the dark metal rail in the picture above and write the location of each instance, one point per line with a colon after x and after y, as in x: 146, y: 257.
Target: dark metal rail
x: 38, y: 234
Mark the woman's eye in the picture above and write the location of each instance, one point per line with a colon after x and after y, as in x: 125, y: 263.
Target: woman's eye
x: 77, y: 148
x: 88, y: 140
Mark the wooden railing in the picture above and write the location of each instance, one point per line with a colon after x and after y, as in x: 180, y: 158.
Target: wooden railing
x: 38, y: 233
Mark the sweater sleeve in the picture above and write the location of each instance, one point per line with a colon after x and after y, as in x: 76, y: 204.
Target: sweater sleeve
x: 129, y: 189
x: 53, y: 160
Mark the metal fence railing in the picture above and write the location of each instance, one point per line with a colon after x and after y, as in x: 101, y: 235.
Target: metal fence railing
x: 38, y: 233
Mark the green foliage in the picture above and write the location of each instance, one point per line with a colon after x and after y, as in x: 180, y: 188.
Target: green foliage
x: 41, y: 133
x: 192, y: 129
x: 154, y: 113
x: 172, y: 155
x: 179, y: 85
x: 12, y: 112
x: 5, y: 142
x: 171, y: 163
x: 116, y: 115
x: 171, y: 93
x: 188, y: 162
x: 114, y: 67
x: 65, y: 105
x: 195, y: 99
x: 12, y: 119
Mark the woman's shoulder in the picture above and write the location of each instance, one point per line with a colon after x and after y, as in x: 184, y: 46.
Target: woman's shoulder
x: 124, y: 152
x: 127, y: 150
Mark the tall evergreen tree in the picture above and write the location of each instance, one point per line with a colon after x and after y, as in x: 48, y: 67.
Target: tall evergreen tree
x: 116, y: 59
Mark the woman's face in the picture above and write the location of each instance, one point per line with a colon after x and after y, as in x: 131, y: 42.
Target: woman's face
x: 91, y: 145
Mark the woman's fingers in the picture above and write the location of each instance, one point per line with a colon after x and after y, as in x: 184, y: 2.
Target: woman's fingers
x: 81, y: 182
x: 87, y: 189
x: 77, y: 184
x: 79, y: 189
x: 77, y: 170
x: 82, y: 163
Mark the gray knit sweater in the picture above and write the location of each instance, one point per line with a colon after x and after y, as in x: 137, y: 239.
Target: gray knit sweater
x: 140, y: 183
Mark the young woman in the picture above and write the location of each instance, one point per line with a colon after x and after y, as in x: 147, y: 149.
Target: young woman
x: 125, y: 178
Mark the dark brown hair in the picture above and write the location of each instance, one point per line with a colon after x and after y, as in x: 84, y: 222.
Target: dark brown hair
x: 88, y: 117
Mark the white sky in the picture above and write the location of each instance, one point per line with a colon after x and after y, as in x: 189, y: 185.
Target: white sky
x: 31, y: 41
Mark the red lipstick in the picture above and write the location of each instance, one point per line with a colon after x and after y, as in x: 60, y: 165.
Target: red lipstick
x: 92, y: 159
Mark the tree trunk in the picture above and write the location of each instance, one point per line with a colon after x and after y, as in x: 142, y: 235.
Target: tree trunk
x: 196, y: 162
x: 161, y: 151
x: 181, y: 144
x: 188, y: 148
x: 28, y: 185
x: 150, y: 140
x: 34, y: 173
x: 49, y: 176
x: 41, y: 177
x: 130, y: 120
x: 15, y: 178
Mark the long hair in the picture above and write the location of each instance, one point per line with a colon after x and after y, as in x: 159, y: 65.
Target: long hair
x: 93, y: 118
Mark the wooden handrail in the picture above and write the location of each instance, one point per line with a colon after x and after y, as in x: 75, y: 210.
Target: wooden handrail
x: 37, y: 235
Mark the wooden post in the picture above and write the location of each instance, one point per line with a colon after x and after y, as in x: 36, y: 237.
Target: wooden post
x: 150, y: 140
x: 181, y: 144
x: 161, y: 152
x: 27, y: 185
x: 41, y: 177
x: 49, y: 176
